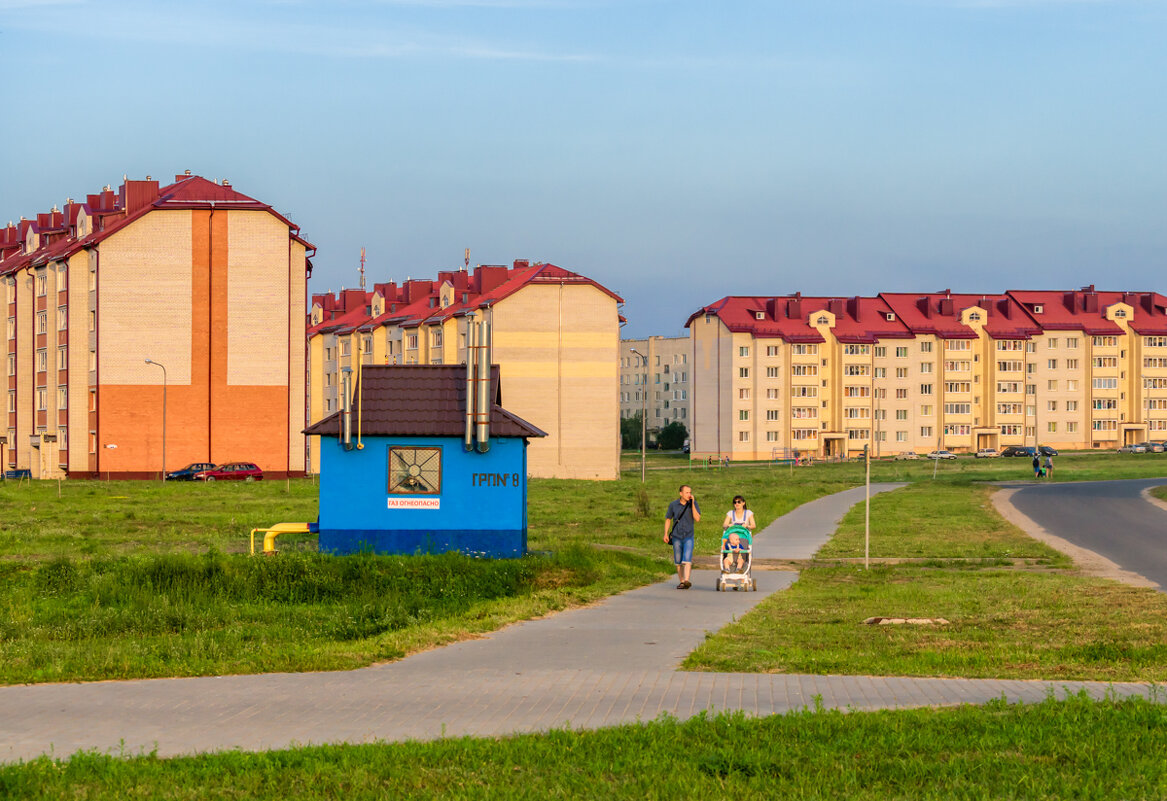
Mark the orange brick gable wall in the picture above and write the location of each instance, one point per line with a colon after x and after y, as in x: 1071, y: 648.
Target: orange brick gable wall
x: 208, y: 417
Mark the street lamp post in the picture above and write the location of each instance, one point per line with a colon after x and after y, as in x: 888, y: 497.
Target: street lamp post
x: 157, y: 364
x: 643, y: 415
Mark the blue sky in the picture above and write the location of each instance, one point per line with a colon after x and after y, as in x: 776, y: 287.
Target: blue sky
x: 675, y: 152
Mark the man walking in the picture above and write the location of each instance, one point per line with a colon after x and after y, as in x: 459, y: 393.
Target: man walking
x: 679, y: 519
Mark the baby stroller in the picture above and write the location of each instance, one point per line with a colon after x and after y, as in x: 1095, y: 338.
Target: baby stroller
x: 736, y: 545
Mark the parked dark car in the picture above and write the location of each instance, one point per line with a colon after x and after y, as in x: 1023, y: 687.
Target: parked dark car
x: 231, y: 471
x: 1020, y: 450
x: 188, y: 473
x: 1046, y: 450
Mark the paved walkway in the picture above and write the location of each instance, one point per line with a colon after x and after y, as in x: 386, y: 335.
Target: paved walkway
x: 611, y: 663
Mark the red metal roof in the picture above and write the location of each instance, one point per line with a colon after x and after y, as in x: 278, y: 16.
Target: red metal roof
x: 133, y: 200
x: 420, y: 401
x: 413, y: 304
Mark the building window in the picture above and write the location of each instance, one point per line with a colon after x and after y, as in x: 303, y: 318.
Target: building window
x: 901, y: 394
x: 415, y: 471
x: 42, y: 360
x: 772, y: 350
x: 11, y: 364
x: 62, y: 398
x: 42, y: 399
x: 744, y: 350
x: 743, y: 415
x: 925, y: 389
x: 42, y: 283
x: 743, y: 393
x: 743, y: 436
x: 773, y: 372
x: 880, y: 351
x: 772, y: 436
x: 926, y: 431
x: 772, y: 394
x: 902, y: 351
x: 1071, y: 406
x: 62, y: 358
x: 804, y: 350
x: 901, y: 414
x: 743, y: 372
x: 62, y: 318
x: 1051, y: 385
x: 901, y: 372
x: 771, y: 414
x: 42, y: 322
x: 1071, y: 428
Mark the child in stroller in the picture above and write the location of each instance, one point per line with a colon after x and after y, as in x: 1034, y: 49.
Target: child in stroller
x: 735, y: 560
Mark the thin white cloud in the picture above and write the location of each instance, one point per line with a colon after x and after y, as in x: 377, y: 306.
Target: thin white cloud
x: 227, y: 27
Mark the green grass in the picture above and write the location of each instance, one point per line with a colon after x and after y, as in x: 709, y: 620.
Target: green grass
x: 1067, y: 748
x: 1016, y: 608
x: 941, y: 520
x: 1160, y: 492
x: 183, y: 614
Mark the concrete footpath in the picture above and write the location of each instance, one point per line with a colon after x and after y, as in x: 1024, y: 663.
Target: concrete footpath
x: 603, y: 665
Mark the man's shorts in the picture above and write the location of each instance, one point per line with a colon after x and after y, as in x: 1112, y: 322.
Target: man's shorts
x: 683, y: 550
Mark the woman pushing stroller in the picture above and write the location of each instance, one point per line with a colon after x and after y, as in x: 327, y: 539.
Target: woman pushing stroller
x: 736, y: 543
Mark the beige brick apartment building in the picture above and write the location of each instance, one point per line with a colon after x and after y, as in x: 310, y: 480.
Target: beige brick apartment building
x: 916, y: 372
x: 195, y: 276
x: 555, y: 337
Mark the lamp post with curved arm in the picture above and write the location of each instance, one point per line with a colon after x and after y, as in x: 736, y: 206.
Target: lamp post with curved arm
x: 158, y: 364
x: 643, y: 413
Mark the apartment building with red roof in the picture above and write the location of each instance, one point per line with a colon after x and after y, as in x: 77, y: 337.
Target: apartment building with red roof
x: 910, y: 372
x: 555, y: 336
x: 203, y: 281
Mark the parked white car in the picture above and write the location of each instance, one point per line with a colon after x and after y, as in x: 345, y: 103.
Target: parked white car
x: 987, y: 453
x: 941, y: 455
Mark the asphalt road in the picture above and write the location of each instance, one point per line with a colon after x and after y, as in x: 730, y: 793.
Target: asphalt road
x: 1107, y: 517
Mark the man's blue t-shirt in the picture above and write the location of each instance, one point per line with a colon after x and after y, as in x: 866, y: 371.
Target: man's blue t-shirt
x: 682, y: 518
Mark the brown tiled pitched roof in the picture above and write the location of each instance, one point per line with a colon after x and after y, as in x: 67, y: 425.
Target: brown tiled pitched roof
x: 420, y: 401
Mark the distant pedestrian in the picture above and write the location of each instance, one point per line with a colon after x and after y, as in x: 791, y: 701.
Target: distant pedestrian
x: 1036, y: 465
x: 1049, y: 465
x: 680, y: 518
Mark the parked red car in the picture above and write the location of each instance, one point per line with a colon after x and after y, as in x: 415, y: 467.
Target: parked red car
x: 231, y: 471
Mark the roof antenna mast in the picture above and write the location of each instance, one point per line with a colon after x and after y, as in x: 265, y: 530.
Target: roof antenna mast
x: 362, y: 270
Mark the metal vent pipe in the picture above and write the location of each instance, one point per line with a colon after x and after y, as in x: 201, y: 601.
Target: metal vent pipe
x: 471, y: 356
x: 484, y: 399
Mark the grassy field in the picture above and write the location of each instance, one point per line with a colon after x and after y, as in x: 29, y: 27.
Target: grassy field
x: 143, y: 579
x: 110, y: 580
x: 1015, y: 608
x: 1066, y: 748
